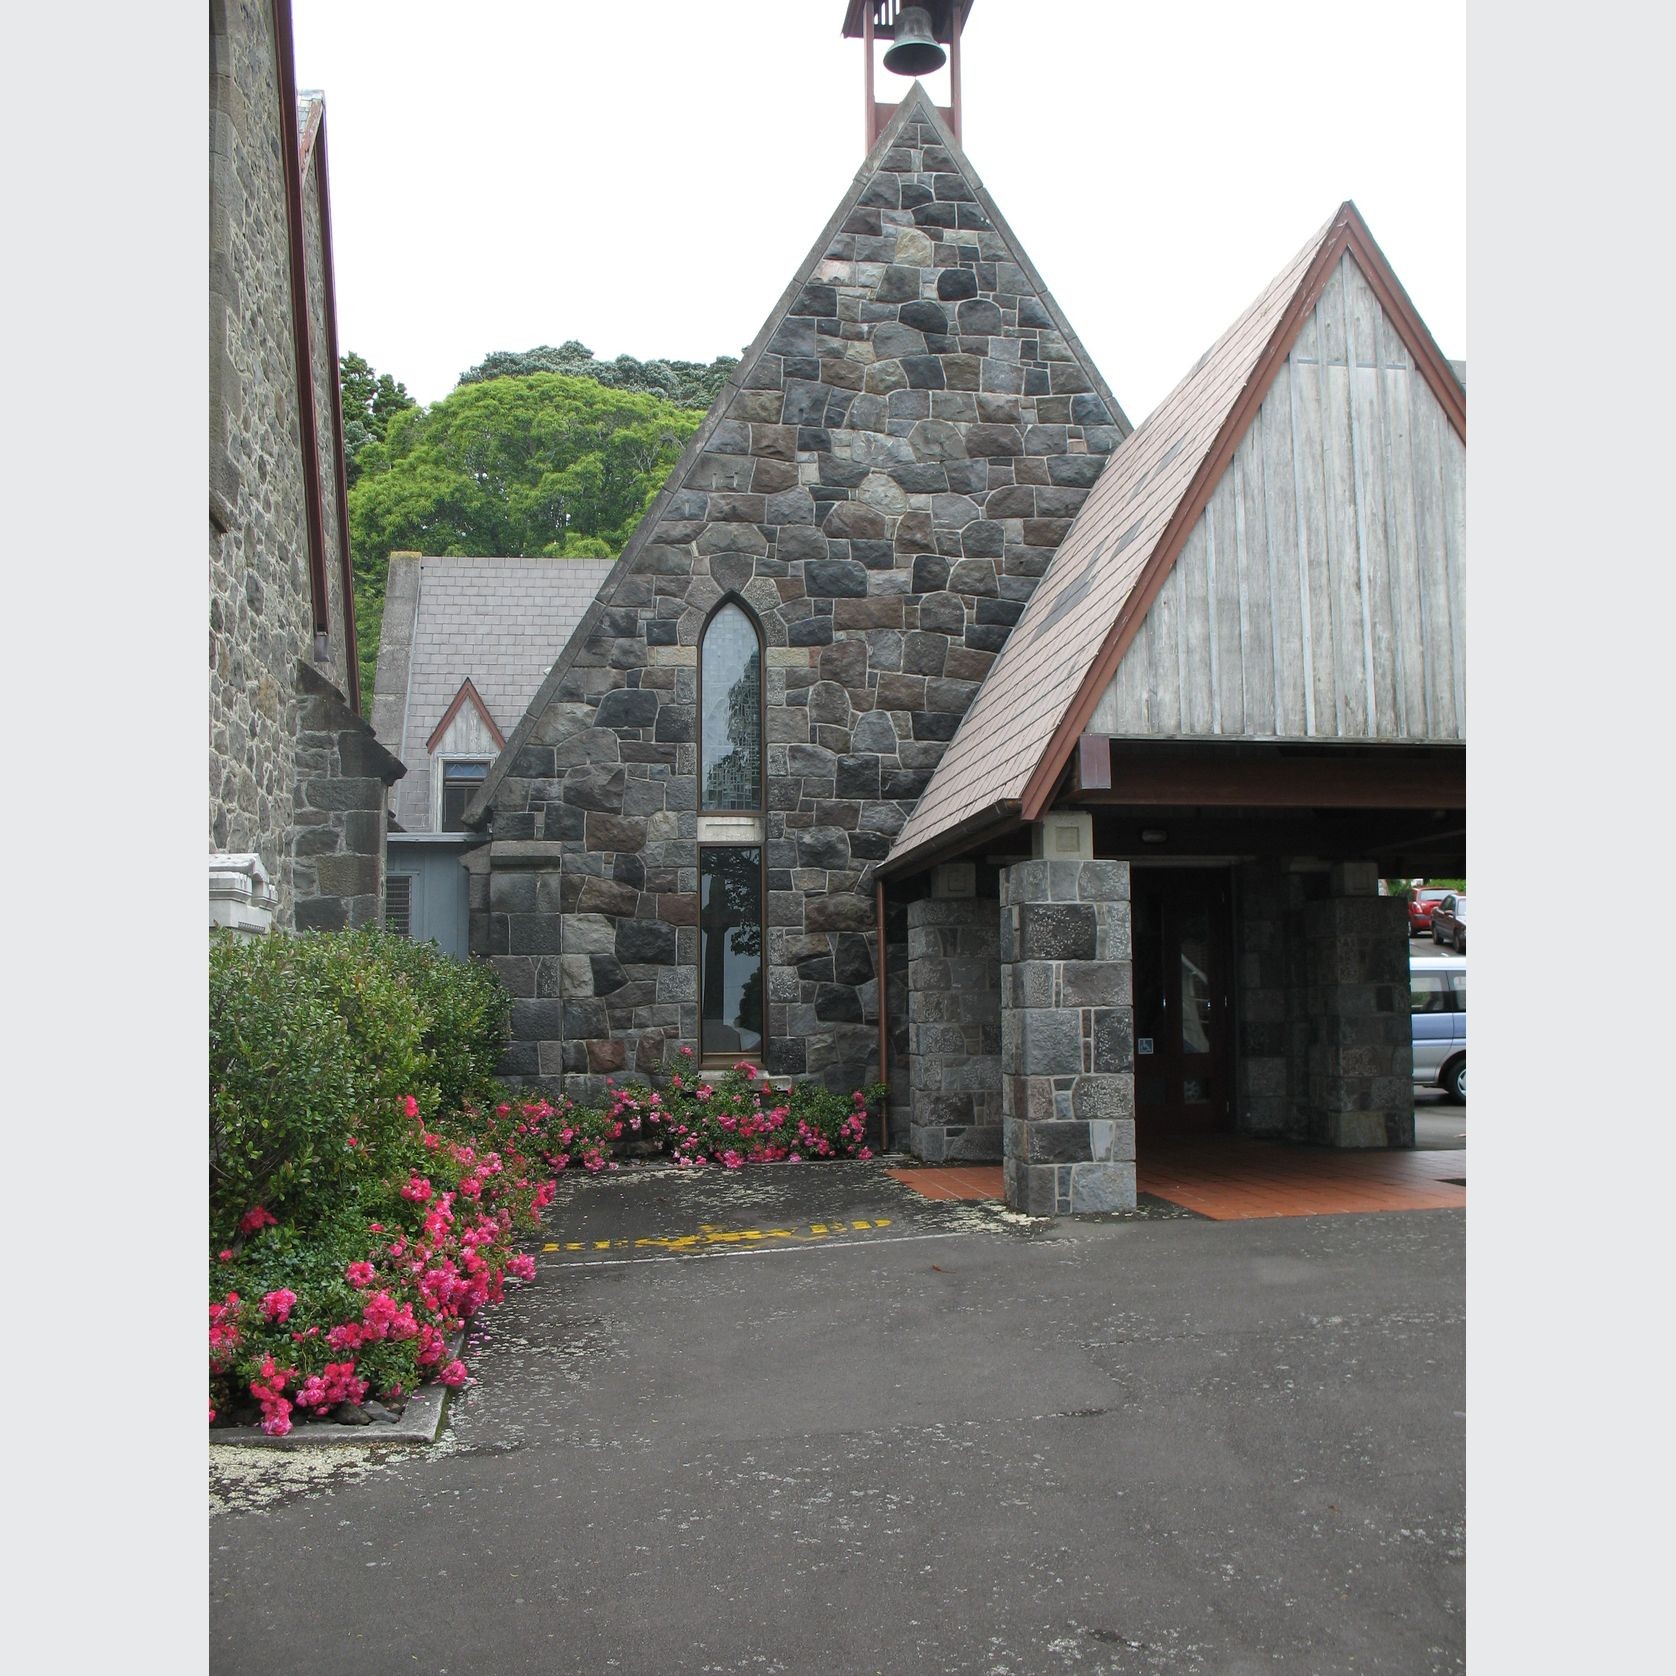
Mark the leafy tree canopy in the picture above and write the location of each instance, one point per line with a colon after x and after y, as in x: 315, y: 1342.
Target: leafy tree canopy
x: 685, y: 383
x: 536, y: 464
x: 370, y: 401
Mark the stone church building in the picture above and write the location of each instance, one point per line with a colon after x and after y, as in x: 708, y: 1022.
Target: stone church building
x: 938, y: 724
x: 297, y: 781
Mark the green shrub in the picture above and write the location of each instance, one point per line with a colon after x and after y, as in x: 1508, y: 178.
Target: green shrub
x: 316, y: 1043
x: 467, y: 1015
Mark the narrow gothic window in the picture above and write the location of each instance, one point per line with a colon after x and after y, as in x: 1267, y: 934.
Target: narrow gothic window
x: 730, y: 879
x: 730, y: 692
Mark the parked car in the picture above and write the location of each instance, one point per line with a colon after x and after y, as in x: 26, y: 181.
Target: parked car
x: 1437, y: 997
x: 1421, y: 900
x: 1449, y: 923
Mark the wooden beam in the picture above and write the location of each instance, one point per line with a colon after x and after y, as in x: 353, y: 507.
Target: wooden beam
x: 1094, y: 762
x: 1167, y: 776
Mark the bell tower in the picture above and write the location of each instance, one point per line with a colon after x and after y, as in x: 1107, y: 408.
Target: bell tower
x: 918, y: 34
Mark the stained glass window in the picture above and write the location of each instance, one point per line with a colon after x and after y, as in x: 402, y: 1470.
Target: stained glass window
x: 730, y: 735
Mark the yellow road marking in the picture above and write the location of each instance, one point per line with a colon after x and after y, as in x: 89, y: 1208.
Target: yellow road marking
x: 709, y: 1234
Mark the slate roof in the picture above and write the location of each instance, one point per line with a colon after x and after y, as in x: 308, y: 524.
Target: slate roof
x: 1012, y: 745
x: 497, y: 622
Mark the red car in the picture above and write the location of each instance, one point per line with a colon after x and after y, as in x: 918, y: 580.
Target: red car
x: 1421, y: 900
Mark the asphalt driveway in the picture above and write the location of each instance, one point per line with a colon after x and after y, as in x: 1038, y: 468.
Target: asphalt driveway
x: 800, y: 1419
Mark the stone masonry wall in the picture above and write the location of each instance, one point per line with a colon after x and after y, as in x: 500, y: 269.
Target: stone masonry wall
x: 1268, y: 901
x: 1357, y: 1088
x: 1067, y: 1037
x: 954, y: 1028
x: 343, y: 776
x: 261, y: 614
x: 882, y: 485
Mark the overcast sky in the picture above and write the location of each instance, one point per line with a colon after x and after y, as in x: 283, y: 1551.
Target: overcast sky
x: 647, y: 176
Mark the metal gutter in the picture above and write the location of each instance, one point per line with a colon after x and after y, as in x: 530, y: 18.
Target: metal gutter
x: 291, y: 166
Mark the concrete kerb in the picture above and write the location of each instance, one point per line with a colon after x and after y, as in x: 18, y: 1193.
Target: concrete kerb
x: 420, y: 1422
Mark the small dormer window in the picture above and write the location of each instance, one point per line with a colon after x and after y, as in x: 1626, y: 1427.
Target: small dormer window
x: 461, y: 780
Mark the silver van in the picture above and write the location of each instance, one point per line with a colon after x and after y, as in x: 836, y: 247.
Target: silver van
x: 1437, y: 997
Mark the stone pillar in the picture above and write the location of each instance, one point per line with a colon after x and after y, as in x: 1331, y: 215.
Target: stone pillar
x: 954, y: 1029
x: 516, y: 925
x: 1358, y: 1091
x: 344, y: 774
x: 1067, y: 1037
x: 1265, y: 909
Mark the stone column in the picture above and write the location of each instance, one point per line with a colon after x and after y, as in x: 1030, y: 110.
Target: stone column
x: 1265, y: 910
x: 337, y: 869
x: 1359, y: 1091
x: 954, y: 1029
x: 1067, y: 1037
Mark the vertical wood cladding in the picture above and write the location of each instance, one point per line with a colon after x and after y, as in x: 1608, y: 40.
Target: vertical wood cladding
x: 1322, y: 594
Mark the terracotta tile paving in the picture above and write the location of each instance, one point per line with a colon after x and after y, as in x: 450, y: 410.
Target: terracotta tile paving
x: 1231, y: 1179
x: 953, y: 1181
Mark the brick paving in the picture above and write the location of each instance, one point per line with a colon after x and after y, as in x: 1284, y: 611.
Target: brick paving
x: 1231, y: 1178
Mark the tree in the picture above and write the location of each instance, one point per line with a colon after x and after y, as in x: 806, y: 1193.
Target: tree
x: 538, y: 464
x: 370, y: 401
x: 685, y: 383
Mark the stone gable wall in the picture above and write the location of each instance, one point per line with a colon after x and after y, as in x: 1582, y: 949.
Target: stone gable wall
x: 884, y: 487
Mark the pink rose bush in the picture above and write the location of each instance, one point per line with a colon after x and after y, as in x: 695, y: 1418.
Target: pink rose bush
x: 744, y: 1118
x: 361, y: 1298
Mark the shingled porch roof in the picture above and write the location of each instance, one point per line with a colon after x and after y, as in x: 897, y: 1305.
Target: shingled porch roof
x: 1014, y: 744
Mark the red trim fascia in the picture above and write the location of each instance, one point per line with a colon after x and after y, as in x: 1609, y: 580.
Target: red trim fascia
x: 1347, y: 232
x: 341, y: 484
x: 977, y: 828
x: 289, y: 157
x: 467, y: 691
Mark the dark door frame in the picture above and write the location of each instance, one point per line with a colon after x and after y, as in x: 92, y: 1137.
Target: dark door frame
x: 1176, y: 892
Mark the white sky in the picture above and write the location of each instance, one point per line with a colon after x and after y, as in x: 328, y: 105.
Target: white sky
x: 510, y: 173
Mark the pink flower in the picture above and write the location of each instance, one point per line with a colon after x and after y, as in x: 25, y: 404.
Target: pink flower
x: 453, y: 1375
x: 227, y: 1255
x: 418, y: 1189
x: 255, y: 1219
x: 360, y: 1274
x: 410, y: 1106
x: 277, y: 1306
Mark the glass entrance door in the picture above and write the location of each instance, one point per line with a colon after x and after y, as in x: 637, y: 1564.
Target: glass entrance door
x: 1183, y: 1021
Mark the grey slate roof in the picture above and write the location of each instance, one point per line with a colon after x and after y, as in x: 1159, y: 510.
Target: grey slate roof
x: 498, y: 621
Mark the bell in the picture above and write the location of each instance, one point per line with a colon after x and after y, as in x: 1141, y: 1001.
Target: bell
x: 915, y: 51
